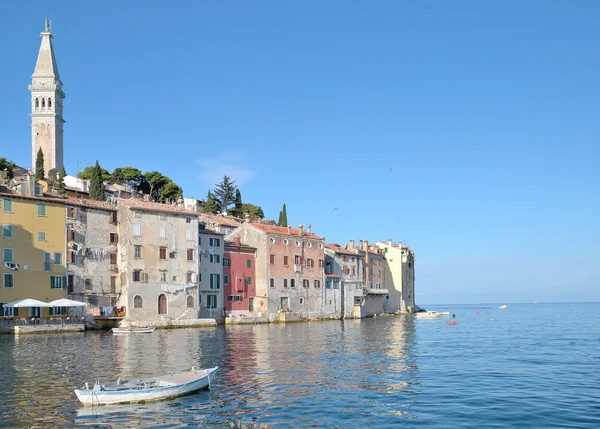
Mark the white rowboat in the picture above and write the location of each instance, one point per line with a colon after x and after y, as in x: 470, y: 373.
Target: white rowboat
x: 145, y: 330
x: 145, y: 389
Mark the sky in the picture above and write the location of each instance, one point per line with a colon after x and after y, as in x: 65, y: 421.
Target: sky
x: 468, y: 130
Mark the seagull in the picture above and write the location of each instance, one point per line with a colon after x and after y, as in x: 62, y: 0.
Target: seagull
x: 335, y: 209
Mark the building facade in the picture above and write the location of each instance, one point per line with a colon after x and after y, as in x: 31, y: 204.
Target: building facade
x: 239, y: 277
x: 157, y: 260
x: 210, y: 274
x: 289, y: 268
x: 344, y: 279
x: 33, y: 247
x: 47, y: 99
x: 399, y: 276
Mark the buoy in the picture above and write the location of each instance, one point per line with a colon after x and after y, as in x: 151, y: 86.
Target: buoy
x: 449, y: 323
x: 454, y: 323
x: 478, y: 312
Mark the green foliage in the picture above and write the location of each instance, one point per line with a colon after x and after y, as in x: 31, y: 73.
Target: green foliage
x: 8, y: 166
x: 39, y: 165
x: 225, y: 192
x: 96, y: 184
x: 170, y: 193
x: 283, y: 217
x: 61, y: 182
x: 238, y: 210
x: 255, y: 212
x: 128, y: 176
x: 211, y: 205
x: 86, y: 174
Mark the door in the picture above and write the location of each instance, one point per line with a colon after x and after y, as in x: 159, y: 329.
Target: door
x: 162, y: 304
x: 285, y: 303
x: 251, y: 305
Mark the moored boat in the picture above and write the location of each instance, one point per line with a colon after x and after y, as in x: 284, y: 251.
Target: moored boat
x: 503, y: 307
x: 145, y: 389
x: 428, y: 315
x: 144, y: 330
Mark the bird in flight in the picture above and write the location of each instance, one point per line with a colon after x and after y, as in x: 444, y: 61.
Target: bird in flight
x: 335, y: 209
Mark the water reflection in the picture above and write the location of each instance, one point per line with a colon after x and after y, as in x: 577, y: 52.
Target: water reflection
x: 270, y: 375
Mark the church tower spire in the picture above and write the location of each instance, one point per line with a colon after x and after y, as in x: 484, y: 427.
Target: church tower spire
x: 47, y: 107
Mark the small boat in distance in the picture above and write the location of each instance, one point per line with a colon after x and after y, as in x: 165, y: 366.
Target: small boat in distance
x: 428, y: 315
x: 503, y: 307
x: 145, y: 389
x: 144, y: 330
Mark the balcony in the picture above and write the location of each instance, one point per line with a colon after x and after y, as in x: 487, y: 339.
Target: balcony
x: 298, y: 268
x: 370, y: 291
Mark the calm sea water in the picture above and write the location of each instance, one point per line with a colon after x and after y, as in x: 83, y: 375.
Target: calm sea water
x: 529, y: 366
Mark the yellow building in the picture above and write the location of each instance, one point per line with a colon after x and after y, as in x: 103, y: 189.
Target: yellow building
x: 33, y: 244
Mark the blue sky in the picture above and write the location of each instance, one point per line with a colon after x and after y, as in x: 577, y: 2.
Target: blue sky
x: 467, y: 129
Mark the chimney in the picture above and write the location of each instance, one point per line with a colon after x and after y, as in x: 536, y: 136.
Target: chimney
x: 247, y: 218
x: 300, y: 230
x: 351, y: 244
x: 289, y: 229
x: 366, y: 246
x: 308, y: 228
x: 236, y: 240
x: 360, y: 245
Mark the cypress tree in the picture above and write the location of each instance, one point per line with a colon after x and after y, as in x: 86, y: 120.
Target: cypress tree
x: 283, y: 217
x: 238, y: 210
x: 39, y: 165
x: 61, y: 182
x: 96, y: 184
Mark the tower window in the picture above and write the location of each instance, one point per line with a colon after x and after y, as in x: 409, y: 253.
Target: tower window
x: 49, y: 102
x: 37, y: 102
x: 43, y: 103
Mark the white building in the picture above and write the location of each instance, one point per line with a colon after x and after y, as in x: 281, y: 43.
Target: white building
x: 211, y: 245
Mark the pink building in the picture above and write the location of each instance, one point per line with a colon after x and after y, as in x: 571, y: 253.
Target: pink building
x: 239, y: 279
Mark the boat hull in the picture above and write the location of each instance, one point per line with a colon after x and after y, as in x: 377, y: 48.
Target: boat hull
x: 95, y: 397
x: 129, y: 331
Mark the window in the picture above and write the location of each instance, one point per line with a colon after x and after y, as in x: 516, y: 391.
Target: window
x: 225, y: 279
x: 190, y: 301
x: 297, y: 244
x: 211, y: 301
x: 234, y: 298
x: 345, y: 258
x: 189, y: 277
x: 353, y: 270
x: 321, y: 263
x: 41, y: 209
x: 215, y: 281
x: 284, y: 282
x: 41, y: 236
x: 248, y: 280
x: 272, y: 259
x: 292, y: 282
x: 310, y: 262
x: 137, y: 275
x: 162, y: 232
x: 57, y: 258
x: 272, y: 240
x: 70, y: 283
x: 226, y: 262
x: 189, y: 234
x: 7, y: 231
x: 49, y: 102
x: 215, y: 258
x: 6, y: 205
x: 71, y: 256
x: 38, y: 191
x: 37, y: 102
x: 248, y: 263
x: 309, y: 244
x: 137, y: 252
x: 305, y: 283
x: 188, y: 220
x: 71, y: 212
x: 285, y: 260
x: 114, y: 238
x: 296, y: 259
x: 43, y: 102
x: 88, y: 284
x: 113, y: 258
x: 56, y: 282
x: 190, y: 254
x: 7, y: 255
x: 320, y: 246
x: 47, y: 261
x: 9, y: 280
x: 317, y: 283
x: 71, y: 234
x: 172, y: 255
x: 174, y: 278
x: 162, y: 253
x: 163, y: 276
x: 272, y: 282
x: 113, y: 217
x: 301, y: 300
x: 285, y: 242
x: 137, y: 215
x: 113, y: 284
x: 201, y: 226
x: 215, y: 242
x: 137, y: 301
x: 137, y: 230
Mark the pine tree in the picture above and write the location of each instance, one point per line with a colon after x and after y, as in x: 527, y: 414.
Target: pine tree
x: 283, y: 217
x: 225, y: 192
x: 238, y: 210
x: 211, y: 205
x: 96, y: 184
x: 61, y: 182
x: 39, y: 165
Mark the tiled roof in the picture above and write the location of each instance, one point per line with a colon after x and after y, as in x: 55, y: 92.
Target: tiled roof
x: 231, y: 246
x: 283, y: 230
x: 210, y: 232
x: 341, y: 250
x: 59, y: 199
x: 220, y: 220
x: 136, y: 203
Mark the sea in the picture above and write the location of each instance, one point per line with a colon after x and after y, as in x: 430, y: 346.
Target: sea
x: 527, y: 366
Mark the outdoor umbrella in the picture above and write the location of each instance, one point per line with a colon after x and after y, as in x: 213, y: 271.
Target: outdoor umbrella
x: 27, y: 302
x: 67, y: 303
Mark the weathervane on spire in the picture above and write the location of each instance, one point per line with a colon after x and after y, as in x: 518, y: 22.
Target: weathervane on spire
x: 47, y: 30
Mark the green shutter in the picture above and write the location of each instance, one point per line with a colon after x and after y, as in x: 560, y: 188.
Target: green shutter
x: 15, y: 311
x: 51, y: 311
x: 52, y: 282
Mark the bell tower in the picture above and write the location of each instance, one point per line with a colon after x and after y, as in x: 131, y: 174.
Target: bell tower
x: 47, y: 107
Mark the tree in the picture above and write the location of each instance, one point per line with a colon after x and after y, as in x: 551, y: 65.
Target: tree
x: 153, y: 183
x: 238, y: 210
x: 170, y: 192
x: 225, y: 192
x: 128, y: 176
x: 96, y: 184
x: 211, y: 205
x: 255, y: 212
x: 86, y: 174
x: 39, y: 165
x: 61, y: 182
x: 8, y: 166
x: 51, y: 179
x: 283, y: 217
